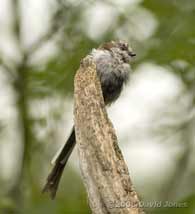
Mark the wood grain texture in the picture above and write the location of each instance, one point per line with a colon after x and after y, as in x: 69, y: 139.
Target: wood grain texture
x: 104, y: 171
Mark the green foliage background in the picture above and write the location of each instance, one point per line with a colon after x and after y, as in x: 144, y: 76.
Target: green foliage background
x: 174, y: 39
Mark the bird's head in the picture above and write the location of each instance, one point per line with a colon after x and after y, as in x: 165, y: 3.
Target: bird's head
x: 120, y: 48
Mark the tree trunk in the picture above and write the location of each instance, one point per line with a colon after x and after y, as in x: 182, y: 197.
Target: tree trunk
x: 104, y: 171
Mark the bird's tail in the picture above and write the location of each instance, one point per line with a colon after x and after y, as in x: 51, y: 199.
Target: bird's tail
x: 53, y: 179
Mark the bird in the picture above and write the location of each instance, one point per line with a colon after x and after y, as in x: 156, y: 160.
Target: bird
x: 113, y: 68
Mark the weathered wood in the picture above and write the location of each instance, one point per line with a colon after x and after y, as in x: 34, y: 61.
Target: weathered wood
x: 104, y: 171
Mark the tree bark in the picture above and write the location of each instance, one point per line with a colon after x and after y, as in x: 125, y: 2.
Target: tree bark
x: 104, y: 171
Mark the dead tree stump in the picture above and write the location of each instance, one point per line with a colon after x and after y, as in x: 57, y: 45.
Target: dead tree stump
x: 104, y: 171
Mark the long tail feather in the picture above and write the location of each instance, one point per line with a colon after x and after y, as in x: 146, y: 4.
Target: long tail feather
x: 53, y: 179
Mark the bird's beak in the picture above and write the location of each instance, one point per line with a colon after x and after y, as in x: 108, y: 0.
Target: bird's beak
x: 131, y: 54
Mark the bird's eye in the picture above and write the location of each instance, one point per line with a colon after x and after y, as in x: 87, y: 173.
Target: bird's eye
x: 123, y: 47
